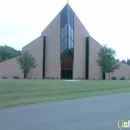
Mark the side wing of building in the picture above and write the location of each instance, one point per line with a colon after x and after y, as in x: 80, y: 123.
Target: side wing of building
x: 10, y: 68
x: 52, y: 50
x: 80, y: 34
x: 85, y: 53
x: 35, y: 48
x: 123, y: 71
x: 94, y: 69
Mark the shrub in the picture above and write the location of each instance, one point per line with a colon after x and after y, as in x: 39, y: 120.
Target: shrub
x: 122, y: 78
x: 113, y: 78
x: 4, y: 77
x: 79, y: 78
x: 16, y: 77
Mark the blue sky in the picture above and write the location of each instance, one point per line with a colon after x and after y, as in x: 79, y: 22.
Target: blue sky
x: 107, y: 21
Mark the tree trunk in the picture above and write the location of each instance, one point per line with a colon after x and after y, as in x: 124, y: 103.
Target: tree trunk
x: 109, y: 75
x: 103, y: 76
x: 24, y: 75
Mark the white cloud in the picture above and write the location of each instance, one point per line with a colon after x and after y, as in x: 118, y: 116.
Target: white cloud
x: 21, y: 21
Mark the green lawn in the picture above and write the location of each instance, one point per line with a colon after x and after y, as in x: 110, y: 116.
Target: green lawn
x: 22, y: 92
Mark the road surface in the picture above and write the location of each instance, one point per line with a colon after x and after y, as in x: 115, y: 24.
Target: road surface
x: 96, y: 113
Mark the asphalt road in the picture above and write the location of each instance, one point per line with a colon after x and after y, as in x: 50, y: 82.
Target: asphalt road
x: 96, y: 113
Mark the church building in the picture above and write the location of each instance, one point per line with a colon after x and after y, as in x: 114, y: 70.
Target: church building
x: 64, y: 50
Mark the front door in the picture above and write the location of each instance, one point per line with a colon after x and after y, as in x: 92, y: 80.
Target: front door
x: 66, y: 73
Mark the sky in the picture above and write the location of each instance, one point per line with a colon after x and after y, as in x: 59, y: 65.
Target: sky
x: 107, y: 21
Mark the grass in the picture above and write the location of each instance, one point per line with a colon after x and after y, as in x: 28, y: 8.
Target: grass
x: 23, y: 92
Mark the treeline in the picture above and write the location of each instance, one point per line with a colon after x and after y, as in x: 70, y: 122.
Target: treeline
x: 126, y: 62
x: 7, y: 52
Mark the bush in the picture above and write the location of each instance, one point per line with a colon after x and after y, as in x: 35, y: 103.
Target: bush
x: 4, y: 77
x: 113, y: 78
x: 16, y: 77
x: 122, y: 78
x: 79, y: 78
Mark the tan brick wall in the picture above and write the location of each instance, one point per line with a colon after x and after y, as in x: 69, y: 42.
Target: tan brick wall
x: 36, y: 49
x: 10, y: 68
x: 94, y: 69
x: 124, y: 70
x: 80, y: 34
x: 53, y: 63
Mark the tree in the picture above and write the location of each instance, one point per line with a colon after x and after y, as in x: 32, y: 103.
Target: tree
x: 106, y: 60
x: 7, y: 52
x: 126, y: 62
x: 26, y: 62
x: 123, y: 61
x: 0, y: 58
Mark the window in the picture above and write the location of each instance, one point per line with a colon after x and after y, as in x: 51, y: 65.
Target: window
x: 70, y: 43
x: 70, y: 31
x: 63, y: 19
x: 67, y: 31
x: 71, y: 22
x: 63, y: 32
x: 64, y: 45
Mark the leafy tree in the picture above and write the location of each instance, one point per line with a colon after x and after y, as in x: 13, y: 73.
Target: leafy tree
x: 123, y: 61
x: 106, y: 60
x: 26, y: 62
x: 7, y: 52
x: 126, y: 62
x: 0, y: 58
